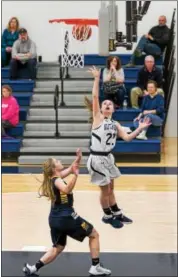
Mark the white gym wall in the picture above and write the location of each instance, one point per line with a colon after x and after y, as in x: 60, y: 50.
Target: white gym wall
x: 34, y: 16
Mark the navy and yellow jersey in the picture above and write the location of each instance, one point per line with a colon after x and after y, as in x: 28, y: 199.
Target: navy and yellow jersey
x: 64, y: 202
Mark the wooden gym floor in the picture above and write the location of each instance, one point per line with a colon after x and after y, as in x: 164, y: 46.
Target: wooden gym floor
x: 146, y: 194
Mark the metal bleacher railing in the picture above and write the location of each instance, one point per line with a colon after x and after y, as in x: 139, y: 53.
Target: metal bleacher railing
x: 56, y: 103
x: 168, y: 66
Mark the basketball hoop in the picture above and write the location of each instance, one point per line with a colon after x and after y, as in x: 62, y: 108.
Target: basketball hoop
x: 74, y: 37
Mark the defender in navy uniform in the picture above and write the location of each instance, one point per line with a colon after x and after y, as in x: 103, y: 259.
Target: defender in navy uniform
x: 63, y: 220
x: 101, y: 163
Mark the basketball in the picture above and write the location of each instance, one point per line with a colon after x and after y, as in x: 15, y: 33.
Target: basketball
x: 81, y: 32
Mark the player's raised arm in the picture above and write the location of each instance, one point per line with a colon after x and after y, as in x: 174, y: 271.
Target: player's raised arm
x: 95, y: 92
x: 128, y: 137
x: 66, y: 172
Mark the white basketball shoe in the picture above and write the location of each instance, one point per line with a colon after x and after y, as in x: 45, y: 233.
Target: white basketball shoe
x: 98, y: 270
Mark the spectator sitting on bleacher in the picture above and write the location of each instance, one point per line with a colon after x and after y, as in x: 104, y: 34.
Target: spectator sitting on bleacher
x: 23, y: 55
x: 152, y: 108
x: 113, y: 81
x: 152, y: 43
x: 9, y: 36
x: 9, y: 110
x: 148, y: 72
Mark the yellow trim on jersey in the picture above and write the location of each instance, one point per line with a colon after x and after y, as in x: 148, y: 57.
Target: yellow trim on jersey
x: 84, y: 225
x: 63, y: 197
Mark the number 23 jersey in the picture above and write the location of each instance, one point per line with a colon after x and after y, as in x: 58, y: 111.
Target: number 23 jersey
x: 103, y: 138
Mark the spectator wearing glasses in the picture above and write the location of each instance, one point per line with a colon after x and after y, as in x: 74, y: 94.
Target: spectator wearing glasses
x: 148, y: 72
x: 152, y: 43
x: 23, y: 55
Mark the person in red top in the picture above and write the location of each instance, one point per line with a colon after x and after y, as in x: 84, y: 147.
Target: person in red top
x: 9, y: 110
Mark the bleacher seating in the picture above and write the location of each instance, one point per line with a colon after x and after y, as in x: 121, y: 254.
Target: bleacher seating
x: 22, y: 91
x: 93, y: 59
x: 126, y: 116
x: 19, y: 85
x: 22, y: 73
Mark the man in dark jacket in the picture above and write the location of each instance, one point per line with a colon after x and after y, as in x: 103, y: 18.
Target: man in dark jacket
x: 148, y: 72
x: 154, y: 42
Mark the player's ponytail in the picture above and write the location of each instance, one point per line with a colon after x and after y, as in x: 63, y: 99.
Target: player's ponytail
x: 46, y: 187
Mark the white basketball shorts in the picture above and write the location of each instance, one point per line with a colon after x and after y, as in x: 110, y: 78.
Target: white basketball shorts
x: 102, y: 169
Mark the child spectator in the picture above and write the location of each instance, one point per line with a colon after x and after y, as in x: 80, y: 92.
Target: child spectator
x: 23, y: 55
x: 9, y: 110
x: 152, y: 108
x: 9, y: 36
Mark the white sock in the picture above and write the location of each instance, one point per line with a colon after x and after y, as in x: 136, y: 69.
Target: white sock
x: 117, y: 213
x: 107, y: 216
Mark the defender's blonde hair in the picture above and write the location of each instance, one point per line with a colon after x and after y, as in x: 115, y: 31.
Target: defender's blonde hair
x: 46, y: 187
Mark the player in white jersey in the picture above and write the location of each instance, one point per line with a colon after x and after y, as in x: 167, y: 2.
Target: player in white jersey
x: 101, y: 163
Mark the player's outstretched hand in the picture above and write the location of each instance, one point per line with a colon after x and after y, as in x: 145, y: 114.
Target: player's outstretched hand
x: 79, y: 155
x: 145, y: 123
x: 94, y: 71
x: 75, y: 168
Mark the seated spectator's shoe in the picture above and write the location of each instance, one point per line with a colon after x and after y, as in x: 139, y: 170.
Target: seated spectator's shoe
x: 99, y: 270
x: 138, y: 53
x: 127, y: 129
x: 142, y: 136
x: 113, y: 221
x: 88, y: 103
x: 124, y: 219
x: 30, y: 270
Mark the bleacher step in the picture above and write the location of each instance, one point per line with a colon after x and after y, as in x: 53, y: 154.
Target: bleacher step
x: 53, y: 142
x: 19, y: 85
x: 39, y: 160
x: 75, y: 85
x: 62, y: 127
x: 51, y: 134
x: 51, y: 149
x: 136, y: 146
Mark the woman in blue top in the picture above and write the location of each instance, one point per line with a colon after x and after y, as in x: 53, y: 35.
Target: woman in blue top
x: 9, y: 36
x: 152, y: 108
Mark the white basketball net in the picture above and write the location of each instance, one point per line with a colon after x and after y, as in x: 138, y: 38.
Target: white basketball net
x: 74, y: 42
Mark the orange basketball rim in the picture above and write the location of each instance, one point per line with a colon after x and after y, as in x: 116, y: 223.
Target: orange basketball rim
x: 81, y: 29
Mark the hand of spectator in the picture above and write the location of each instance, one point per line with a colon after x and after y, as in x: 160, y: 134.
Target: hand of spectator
x: 95, y: 72
x: 28, y: 55
x: 17, y: 58
x: 113, y: 68
x: 8, y: 49
x: 146, y: 112
x: 150, y: 37
x: 144, y: 124
x: 145, y: 92
x: 147, y: 35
